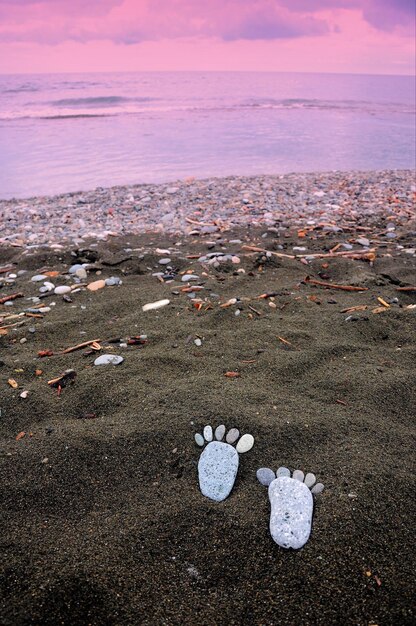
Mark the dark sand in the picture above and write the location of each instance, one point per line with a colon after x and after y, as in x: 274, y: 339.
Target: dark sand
x: 112, y: 529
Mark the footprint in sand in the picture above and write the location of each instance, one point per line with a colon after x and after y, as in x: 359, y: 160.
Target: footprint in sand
x: 218, y: 463
x: 291, y: 505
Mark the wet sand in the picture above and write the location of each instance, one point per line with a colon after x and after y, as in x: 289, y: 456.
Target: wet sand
x: 102, y: 519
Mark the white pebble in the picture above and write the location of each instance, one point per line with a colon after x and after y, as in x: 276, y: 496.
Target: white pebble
x: 155, y: 305
x: 187, y: 277
x: 62, y: 289
x: 108, y: 359
x: 245, y: 444
x: 208, y: 433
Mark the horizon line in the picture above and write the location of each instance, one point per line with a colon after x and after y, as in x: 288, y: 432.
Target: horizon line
x: 205, y: 72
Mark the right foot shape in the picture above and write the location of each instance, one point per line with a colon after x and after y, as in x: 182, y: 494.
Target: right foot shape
x: 218, y: 463
x: 291, y: 505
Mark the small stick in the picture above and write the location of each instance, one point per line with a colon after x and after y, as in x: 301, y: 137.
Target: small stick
x: 348, y: 253
x: 11, y: 325
x: 384, y: 303
x: 254, y: 310
x: 79, y: 346
x: 285, y: 341
x: 360, y: 307
x: 188, y: 219
x: 12, y: 296
x: 320, y: 283
x: 278, y: 254
x: 408, y: 288
x: 7, y: 268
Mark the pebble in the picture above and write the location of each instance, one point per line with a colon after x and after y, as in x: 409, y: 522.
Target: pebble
x: 217, y: 470
x: 24, y: 394
x: 265, y: 476
x: 199, y: 440
x: 38, y: 277
x: 47, y: 286
x: 23, y: 340
x: 310, y: 479
x: 363, y: 241
x: 74, y: 268
x: 220, y: 432
x: 245, y: 444
x: 198, y: 342
x: 165, y: 261
x: 81, y: 273
x: 291, y: 512
x: 112, y: 281
x: 155, y: 305
x: 108, y: 359
x: 232, y: 435
x: 208, y: 435
x: 62, y: 289
x: 97, y: 284
x: 188, y: 277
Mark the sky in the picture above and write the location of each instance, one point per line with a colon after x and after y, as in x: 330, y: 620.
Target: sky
x: 353, y: 36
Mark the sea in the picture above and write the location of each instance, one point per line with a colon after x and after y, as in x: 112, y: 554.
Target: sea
x: 70, y: 132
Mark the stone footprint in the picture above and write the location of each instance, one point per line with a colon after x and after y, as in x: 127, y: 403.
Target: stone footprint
x: 218, y: 463
x: 291, y: 505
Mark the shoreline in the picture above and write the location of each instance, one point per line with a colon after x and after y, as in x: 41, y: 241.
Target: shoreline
x: 230, y: 202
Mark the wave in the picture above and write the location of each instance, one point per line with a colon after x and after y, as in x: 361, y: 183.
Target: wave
x: 22, y: 88
x: 110, y: 106
x: 96, y: 101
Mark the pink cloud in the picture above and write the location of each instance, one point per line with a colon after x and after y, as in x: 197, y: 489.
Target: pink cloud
x: 292, y: 35
x: 133, y: 21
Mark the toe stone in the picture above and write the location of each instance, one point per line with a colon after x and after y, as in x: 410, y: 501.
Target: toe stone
x: 245, y: 444
x: 265, y: 476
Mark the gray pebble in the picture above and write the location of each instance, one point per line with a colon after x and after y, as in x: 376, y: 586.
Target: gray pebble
x: 265, y: 476
x: 291, y: 512
x: 199, y: 439
x: 310, y: 479
x: 282, y: 471
x: 188, y: 277
x: 217, y: 469
x: 113, y: 280
x: 220, y: 432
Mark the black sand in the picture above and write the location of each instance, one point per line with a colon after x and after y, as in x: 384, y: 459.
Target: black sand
x: 102, y: 519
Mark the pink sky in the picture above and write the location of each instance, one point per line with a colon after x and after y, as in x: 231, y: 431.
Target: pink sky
x: 365, y: 36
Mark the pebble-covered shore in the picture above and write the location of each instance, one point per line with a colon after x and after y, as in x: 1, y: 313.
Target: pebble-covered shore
x: 336, y: 199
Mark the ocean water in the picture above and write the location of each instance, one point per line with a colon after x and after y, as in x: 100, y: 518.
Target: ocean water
x: 70, y: 132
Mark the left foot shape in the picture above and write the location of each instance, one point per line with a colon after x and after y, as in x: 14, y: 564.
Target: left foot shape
x: 291, y: 505
x: 218, y: 463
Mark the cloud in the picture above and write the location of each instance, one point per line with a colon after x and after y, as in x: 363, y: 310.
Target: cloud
x: 134, y: 21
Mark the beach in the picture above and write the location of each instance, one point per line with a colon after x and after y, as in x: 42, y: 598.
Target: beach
x: 291, y: 316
